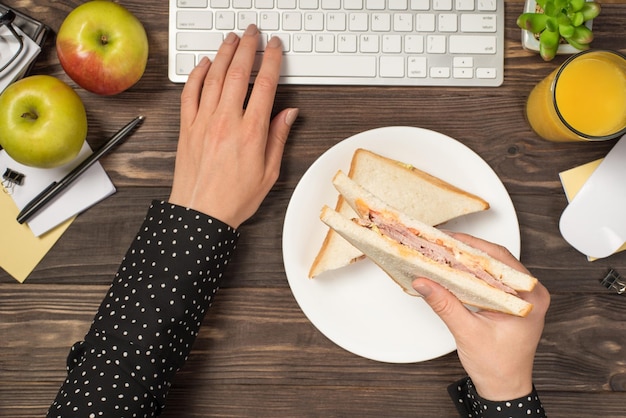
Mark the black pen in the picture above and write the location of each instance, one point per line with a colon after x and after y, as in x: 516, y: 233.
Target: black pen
x: 52, y: 191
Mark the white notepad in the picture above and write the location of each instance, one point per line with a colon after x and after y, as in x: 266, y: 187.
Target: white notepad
x: 90, y: 188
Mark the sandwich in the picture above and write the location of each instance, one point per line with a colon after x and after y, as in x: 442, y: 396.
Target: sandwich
x: 412, y: 191
x: 406, y: 248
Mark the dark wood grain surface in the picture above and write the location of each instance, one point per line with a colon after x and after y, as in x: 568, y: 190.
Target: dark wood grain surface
x: 257, y: 354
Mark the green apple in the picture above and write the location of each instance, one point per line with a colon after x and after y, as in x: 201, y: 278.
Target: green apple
x: 102, y: 47
x: 43, y: 122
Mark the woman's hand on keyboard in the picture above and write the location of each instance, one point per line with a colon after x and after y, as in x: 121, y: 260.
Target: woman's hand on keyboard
x: 229, y: 152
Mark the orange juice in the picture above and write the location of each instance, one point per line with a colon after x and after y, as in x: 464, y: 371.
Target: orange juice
x: 584, y: 99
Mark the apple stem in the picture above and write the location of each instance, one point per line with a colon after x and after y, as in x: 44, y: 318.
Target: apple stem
x: 30, y: 115
x: 104, y: 39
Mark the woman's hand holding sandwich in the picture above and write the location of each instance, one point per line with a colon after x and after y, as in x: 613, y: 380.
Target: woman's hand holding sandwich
x: 497, y: 350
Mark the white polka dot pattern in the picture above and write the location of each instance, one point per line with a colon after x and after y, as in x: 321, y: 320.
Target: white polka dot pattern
x: 471, y: 405
x: 149, y: 319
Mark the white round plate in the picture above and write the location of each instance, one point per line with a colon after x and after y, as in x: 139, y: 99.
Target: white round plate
x: 359, y: 307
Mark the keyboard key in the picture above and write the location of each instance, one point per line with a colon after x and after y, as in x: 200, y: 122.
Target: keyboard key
x: 463, y: 62
x: 286, y: 4
x: 336, y: 22
x: 425, y: 22
x: 260, y: 47
x: 392, y: 44
x: 391, y: 66
x: 469, y: 44
x: 358, y: 22
x: 285, y: 39
x: 381, y: 22
x: 375, y: 4
x: 329, y: 66
x: 246, y: 18
x: 331, y: 4
x: 192, y: 3
x: 369, y: 43
x: 440, y: 72
x: 225, y: 20
x: 302, y: 42
x: 464, y: 5
x: 458, y: 72
x: 308, y: 4
x: 269, y: 21
x: 347, y: 43
x: 324, y: 43
x: 442, y: 4
x: 398, y: 5
x: 196, y: 41
x: 219, y: 4
x: 314, y: 21
x: 292, y: 21
x: 486, y: 73
x: 402, y: 22
x: 416, y: 67
x: 420, y: 4
x: 487, y: 5
x: 194, y: 20
x: 414, y: 44
x: 436, y: 44
x: 447, y: 22
x: 242, y: 4
x: 185, y: 63
x: 478, y: 23
x: 353, y: 4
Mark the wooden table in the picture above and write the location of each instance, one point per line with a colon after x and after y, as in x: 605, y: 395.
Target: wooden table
x: 257, y: 354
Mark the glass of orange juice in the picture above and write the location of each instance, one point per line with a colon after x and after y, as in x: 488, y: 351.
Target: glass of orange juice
x: 582, y: 100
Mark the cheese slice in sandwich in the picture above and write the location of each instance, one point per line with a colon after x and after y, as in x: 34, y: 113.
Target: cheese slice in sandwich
x: 414, y: 192
x: 406, y: 248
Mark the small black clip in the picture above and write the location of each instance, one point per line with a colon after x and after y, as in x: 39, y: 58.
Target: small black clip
x: 10, y: 179
x: 614, y: 281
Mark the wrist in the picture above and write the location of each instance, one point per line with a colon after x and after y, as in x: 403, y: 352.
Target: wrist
x: 503, y: 389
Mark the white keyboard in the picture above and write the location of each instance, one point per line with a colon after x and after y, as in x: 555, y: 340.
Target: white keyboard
x: 352, y: 42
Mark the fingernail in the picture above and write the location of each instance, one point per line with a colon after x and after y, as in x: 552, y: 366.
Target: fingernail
x: 251, y: 30
x: 274, y: 42
x: 203, y: 61
x: 291, y: 116
x: 230, y: 38
x: 422, y: 289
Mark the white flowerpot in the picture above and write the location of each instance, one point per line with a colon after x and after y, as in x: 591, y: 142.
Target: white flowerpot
x: 531, y: 43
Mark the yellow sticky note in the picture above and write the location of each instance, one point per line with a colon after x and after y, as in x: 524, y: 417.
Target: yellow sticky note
x: 20, y: 250
x: 573, y: 179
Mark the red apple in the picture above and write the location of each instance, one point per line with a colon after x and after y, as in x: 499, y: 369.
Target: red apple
x: 102, y: 47
x: 42, y: 121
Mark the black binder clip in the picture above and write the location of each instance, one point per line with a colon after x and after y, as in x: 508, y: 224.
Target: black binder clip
x: 10, y: 179
x: 614, y: 281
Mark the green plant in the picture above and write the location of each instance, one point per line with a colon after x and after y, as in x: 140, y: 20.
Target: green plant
x: 557, y: 20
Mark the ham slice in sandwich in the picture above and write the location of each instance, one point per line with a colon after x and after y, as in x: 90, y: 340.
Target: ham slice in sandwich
x: 406, y: 248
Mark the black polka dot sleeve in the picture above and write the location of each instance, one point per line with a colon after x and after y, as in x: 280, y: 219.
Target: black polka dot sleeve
x: 149, y: 319
x: 471, y: 405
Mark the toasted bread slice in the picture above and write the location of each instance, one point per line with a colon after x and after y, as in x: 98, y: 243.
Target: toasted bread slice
x: 404, y: 187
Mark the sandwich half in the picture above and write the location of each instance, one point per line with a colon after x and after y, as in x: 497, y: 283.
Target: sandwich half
x: 406, y: 248
x: 412, y: 191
